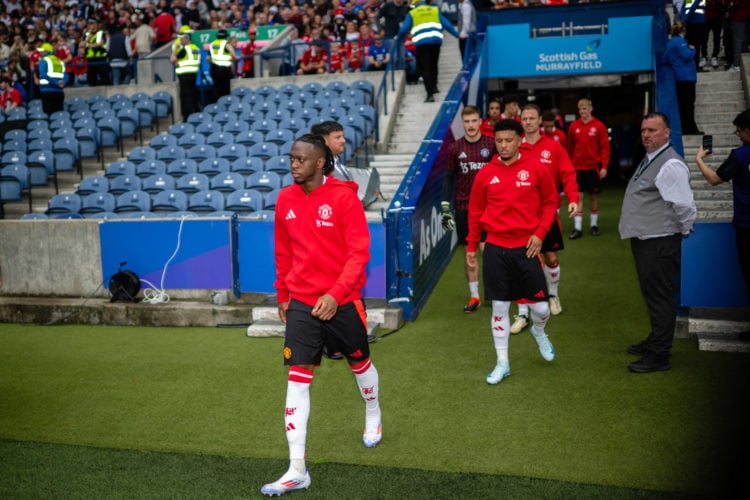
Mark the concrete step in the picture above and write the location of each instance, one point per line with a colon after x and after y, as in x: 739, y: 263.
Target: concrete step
x: 721, y: 103
x: 714, y: 193
x: 717, y: 75
x: 721, y: 343
x: 714, y: 216
x: 722, y: 205
x: 717, y: 86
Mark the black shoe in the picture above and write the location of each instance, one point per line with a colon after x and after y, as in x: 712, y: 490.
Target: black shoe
x: 650, y: 363
x: 329, y: 355
x: 575, y: 234
x: 430, y: 98
x: 595, y: 231
x: 638, y: 349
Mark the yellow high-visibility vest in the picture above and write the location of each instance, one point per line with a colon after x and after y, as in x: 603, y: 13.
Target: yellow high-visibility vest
x: 220, y: 55
x: 55, y: 70
x: 190, y: 61
x: 426, y: 23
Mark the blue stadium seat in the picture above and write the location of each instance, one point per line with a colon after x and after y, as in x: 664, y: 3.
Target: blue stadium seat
x: 249, y: 138
x: 213, y: 166
x: 306, y: 114
x: 196, y: 119
x: 118, y: 98
x: 227, y: 182
x: 232, y: 151
x: 182, y: 166
x: 192, y: 183
x: 97, y: 202
x: 37, y: 134
x: 102, y: 216
x: 164, y: 106
x: 280, y: 137
x: 242, y: 92
x: 14, y: 145
x: 337, y: 86
x: 133, y: 201
x: 14, y: 181
x: 170, y: 201
x: 141, y: 154
x: 41, y: 164
x: 84, y: 122
x: 129, y: 122
x: 37, y: 124
x: 279, y: 115
x: 225, y: 117
x: 15, y: 135
x: 93, y: 184
x: 207, y: 128
x: 146, y: 109
x: 245, y: 200
x: 264, y: 107
x: 120, y: 167
x: 368, y: 113
x: 263, y: 181
x: 163, y: 141
x: 109, y: 128
x: 60, y: 115
x: 34, y: 216
x: 206, y: 201
x: 287, y: 180
x: 63, y: 132
x: 278, y: 164
x: 64, y: 203
x: 157, y: 183
x: 289, y: 105
x: 199, y: 153
x: 219, y: 139
x: 364, y: 86
x: 285, y: 149
x: 13, y: 158
x: 66, y: 153
x: 124, y: 183
x: 104, y: 113
x: 226, y: 101
x: 265, y: 90
x: 263, y: 150
x: 239, y: 107
x: 289, y: 89
x: 312, y: 87
x: 88, y: 141
x: 187, y: 141
x: 294, y: 125
x: 247, y: 165
x: 170, y: 154
x: 269, y: 200
x: 180, y: 129
x: 150, y: 167
x: 213, y: 109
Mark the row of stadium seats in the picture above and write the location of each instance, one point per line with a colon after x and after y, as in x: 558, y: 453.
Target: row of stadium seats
x: 204, y: 201
x: 190, y: 183
x: 243, y: 164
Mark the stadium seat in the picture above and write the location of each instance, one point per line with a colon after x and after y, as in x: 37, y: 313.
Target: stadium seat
x: 109, y: 128
x: 199, y: 153
x: 150, y: 167
x: 192, y: 183
x: 64, y: 203
x: 225, y: 117
x: 226, y: 101
x: 97, y: 202
x: 249, y: 138
x: 88, y: 141
x: 117, y: 98
x: 13, y: 158
x: 278, y: 164
x: 264, y: 126
x: 14, y: 145
x: 365, y: 86
x: 280, y: 137
x: 141, y: 154
x: 63, y: 132
x: 14, y: 181
x: 120, y: 167
x: 37, y: 125
x: 312, y: 87
x: 289, y: 89
x: 245, y: 200
x: 294, y: 125
x: 34, y: 216
x: 124, y: 183
x: 337, y: 86
x: 84, y: 122
x: 102, y: 216
x: 263, y: 181
x: 99, y: 106
x: 157, y: 183
x: 206, y: 201
x: 133, y: 201
x: 163, y: 141
x: 232, y: 151
x: 247, y: 165
x: 169, y: 201
x: 264, y: 107
x: 287, y: 180
x: 66, y: 153
x: 60, y: 115
x: 239, y: 107
x: 279, y: 115
x: 219, y: 139
x: 170, y: 154
x: 180, y: 129
x: 242, y: 92
x: 182, y: 166
x: 196, y: 119
x: 306, y: 114
x: 265, y: 90
x: 285, y: 149
x: 227, y: 182
x: 207, y: 128
x: 187, y: 141
x: 213, y: 166
x: 250, y: 116
x: 129, y: 122
x: 146, y: 109
x: 213, y: 109
x: 164, y: 106
x: 41, y: 164
x: 15, y: 135
x: 368, y: 113
x: 93, y: 184
x: 263, y: 150
x: 269, y: 200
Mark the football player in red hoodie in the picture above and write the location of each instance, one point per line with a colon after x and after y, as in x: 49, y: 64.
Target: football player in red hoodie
x: 322, y: 246
x: 514, y: 199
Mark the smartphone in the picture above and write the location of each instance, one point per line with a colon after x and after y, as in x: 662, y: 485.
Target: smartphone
x: 708, y: 144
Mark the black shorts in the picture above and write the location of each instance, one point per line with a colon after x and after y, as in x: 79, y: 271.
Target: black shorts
x: 511, y: 276
x: 588, y: 181
x: 306, y: 335
x: 553, y: 242
x: 462, y: 226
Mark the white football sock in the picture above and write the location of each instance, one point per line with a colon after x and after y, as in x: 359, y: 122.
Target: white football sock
x: 553, y: 278
x: 594, y: 218
x: 578, y: 222
x: 539, y: 315
x: 368, y: 382
x: 297, y: 413
x: 523, y: 310
x: 500, y: 325
x: 474, y: 288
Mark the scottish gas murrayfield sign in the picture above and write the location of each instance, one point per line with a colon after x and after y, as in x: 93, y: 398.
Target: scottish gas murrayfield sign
x: 623, y: 45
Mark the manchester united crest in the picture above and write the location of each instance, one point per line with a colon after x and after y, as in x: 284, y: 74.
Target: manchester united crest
x: 523, y: 175
x: 325, y: 212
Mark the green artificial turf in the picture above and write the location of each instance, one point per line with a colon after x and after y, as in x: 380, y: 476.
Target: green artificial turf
x: 197, y: 392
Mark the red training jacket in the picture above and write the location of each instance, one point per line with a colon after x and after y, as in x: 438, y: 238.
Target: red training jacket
x: 588, y: 145
x: 552, y: 155
x: 511, y: 202
x: 322, y: 243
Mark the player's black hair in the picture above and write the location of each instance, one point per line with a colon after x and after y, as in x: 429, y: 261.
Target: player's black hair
x: 327, y: 127
x: 509, y: 98
x: 549, y: 116
x: 656, y: 114
x: 319, y: 142
x: 509, y: 124
x: 742, y: 120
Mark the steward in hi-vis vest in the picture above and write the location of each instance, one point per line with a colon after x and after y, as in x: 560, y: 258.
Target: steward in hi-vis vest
x: 52, y: 79
x: 95, y: 41
x: 223, y: 54
x: 186, y: 56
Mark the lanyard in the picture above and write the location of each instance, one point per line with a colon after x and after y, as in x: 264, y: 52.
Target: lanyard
x: 643, y: 166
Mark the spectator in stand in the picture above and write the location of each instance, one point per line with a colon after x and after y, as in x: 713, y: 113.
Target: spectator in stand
x: 352, y: 33
x: 191, y: 16
x: 63, y: 52
x: 337, y: 57
x: 354, y: 59
x: 4, y: 49
x: 550, y: 130
x: 9, y: 97
x: 314, y: 61
x: 715, y: 18
x: 393, y: 13
x: 339, y: 27
x: 248, y: 51
x: 467, y: 24
x: 378, y: 57
x: 120, y: 55
x: 144, y: 36
x: 693, y: 14
x: 680, y: 57
x: 739, y: 14
x: 493, y: 116
x: 165, y: 27
x: 80, y: 66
